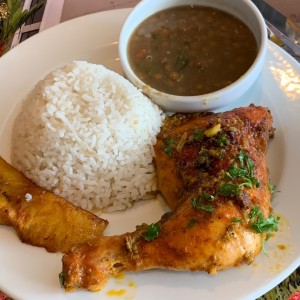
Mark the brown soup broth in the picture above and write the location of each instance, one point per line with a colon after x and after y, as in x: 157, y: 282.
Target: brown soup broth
x: 191, y: 50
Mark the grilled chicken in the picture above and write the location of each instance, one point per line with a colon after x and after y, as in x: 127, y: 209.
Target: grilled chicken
x: 41, y: 218
x: 212, y: 171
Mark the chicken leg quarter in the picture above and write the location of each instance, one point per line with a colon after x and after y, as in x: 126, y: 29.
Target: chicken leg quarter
x: 212, y: 171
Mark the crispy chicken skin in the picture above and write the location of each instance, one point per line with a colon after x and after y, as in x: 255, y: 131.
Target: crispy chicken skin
x: 201, y: 162
x: 198, y: 157
x: 41, y: 218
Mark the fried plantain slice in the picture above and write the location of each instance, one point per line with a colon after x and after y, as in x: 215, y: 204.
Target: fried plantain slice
x: 41, y: 218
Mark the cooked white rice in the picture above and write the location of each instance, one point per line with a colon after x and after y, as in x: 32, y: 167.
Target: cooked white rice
x: 87, y: 134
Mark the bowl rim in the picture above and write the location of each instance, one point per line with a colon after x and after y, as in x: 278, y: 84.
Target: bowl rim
x: 123, y: 42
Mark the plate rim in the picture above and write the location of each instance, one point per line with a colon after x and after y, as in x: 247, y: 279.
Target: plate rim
x: 124, y: 11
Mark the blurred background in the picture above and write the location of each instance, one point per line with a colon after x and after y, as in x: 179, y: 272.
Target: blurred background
x: 56, y: 11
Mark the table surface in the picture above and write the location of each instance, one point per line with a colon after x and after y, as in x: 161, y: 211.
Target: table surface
x: 290, y: 287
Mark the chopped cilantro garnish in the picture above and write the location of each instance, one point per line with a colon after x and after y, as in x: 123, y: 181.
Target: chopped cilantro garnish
x: 191, y: 222
x: 207, y: 196
x: 152, y: 232
x: 208, y: 208
x: 268, y: 236
x: 61, y: 278
x: 244, y: 171
x: 221, y: 153
x: 242, y: 156
x: 203, y: 159
x: 168, y: 147
x: 236, y: 172
x: 222, y: 140
x: 272, y: 189
x: 197, y: 202
x: 229, y: 189
x: 239, y: 175
x: 236, y: 220
x: 260, y: 224
x: 197, y: 135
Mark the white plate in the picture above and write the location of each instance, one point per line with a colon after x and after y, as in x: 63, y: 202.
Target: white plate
x: 31, y: 273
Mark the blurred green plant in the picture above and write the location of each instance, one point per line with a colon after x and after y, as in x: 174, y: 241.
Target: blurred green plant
x: 12, y: 17
x: 289, y: 289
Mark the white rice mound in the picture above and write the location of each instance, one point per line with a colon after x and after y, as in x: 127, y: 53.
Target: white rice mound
x: 87, y: 134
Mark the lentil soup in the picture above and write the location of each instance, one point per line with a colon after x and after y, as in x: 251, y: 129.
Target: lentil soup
x: 191, y: 50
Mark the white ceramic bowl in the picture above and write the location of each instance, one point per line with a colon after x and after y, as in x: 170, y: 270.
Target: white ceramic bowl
x: 243, y: 9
